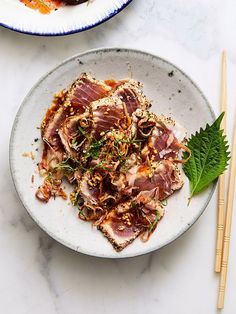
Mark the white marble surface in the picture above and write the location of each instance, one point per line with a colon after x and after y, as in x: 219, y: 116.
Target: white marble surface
x: 40, y: 276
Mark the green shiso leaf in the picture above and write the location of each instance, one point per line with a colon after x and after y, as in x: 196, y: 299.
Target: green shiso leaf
x: 210, y: 156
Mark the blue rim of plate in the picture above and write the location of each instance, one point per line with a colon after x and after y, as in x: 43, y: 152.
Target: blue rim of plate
x: 79, y: 30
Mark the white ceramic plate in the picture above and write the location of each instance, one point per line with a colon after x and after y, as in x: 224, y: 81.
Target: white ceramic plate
x: 173, y: 93
x: 66, y: 20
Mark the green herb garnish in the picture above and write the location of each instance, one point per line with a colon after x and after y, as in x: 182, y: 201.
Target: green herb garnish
x: 74, y: 144
x: 43, y: 4
x: 81, y: 212
x: 65, y: 166
x: 49, y: 176
x: 84, y: 133
x: 94, y: 149
x: 164, y: 202
x: 209, y: 157
x: 153, y: 224
x: 128, y: 141
x: 133, y: 204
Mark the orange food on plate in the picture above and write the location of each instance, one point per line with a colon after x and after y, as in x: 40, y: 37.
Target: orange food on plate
x: 46, y: 6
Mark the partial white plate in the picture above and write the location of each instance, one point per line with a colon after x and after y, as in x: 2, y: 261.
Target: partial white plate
x: 173, y: 93
x: 66, y: 20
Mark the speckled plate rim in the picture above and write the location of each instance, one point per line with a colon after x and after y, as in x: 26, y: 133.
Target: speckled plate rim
x: 69, y: 32
x: 11, y: 147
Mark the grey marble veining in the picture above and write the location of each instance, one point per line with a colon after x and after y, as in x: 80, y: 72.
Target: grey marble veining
x: 39, y: 275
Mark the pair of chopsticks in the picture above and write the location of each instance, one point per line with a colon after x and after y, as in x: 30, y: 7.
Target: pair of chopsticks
x: 225, y: 219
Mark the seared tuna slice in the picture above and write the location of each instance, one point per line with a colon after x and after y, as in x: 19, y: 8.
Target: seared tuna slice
x: 130, y: 219
x: 131, y: 94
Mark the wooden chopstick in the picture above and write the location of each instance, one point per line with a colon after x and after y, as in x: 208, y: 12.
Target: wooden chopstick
x: 228, y: 222
x: 221, y: 185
